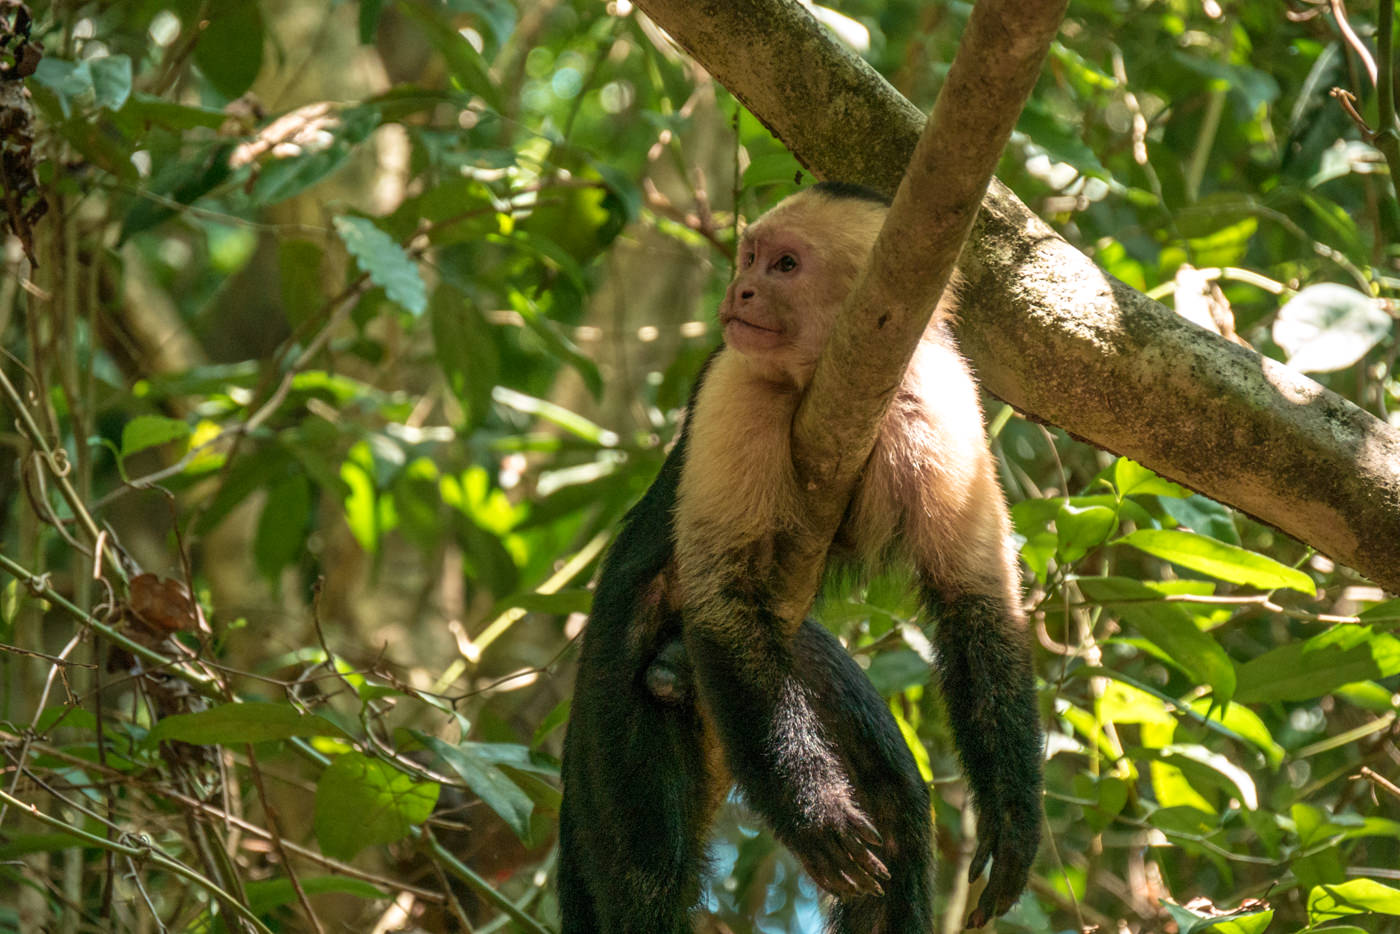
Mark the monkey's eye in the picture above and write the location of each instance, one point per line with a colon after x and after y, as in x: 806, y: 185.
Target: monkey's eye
x: 747, y: 258
x: 785, y: 263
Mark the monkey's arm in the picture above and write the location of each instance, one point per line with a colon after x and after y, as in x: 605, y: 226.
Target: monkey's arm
x: 988, y: 682
x: 775, y: 745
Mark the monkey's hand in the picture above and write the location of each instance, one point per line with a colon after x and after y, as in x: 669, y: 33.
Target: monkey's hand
x: 837, y: 848
x: 1006, y: 841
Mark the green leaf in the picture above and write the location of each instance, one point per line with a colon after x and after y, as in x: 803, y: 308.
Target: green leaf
x: 282, y: 527
x: 364, y: 802
x: 1359, y: 896
x: 556, y: 415
x: 466, y: 351
x: 370, y: 11
x: 385, y: 261
x: 1194, y: 922
x: 281, y: 177
x: 148, y: 431
x: 1109, y: 795
x: 1080, y: 529
x: 1132, y: 479
x: 1062, y: 142
x: 489, y: 784
x: 299, y: 269
x: 1195, y: 759
x: 1217, y: 559
x: 560, y: 603
x: 1329, y: 327
x: 22, y: 844
x: 463, y: 60
x: 147, y: 108
x: 69, y: 82
x: 552, y: 721
x: 231, y: 724
x: 111, y: 80
x: 1244, y: 723
x: 230, y: 49
x: 1168, y: 626
x: 779, y: 168
x: 267, y: 894
x: 1203, y: 516
x: 1304, y: 670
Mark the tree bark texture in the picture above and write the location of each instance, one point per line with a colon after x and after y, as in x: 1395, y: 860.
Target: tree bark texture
x: 1058, y: 338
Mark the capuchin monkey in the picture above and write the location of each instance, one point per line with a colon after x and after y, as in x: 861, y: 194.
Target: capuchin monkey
x: 689, y: 680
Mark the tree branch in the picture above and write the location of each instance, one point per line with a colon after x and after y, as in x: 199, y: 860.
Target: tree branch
x: 1057, y: 337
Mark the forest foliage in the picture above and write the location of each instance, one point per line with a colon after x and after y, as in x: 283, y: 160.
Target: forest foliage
x: 339, y: 336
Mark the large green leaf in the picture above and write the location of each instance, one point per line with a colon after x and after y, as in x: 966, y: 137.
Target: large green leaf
x: 364, y: 802
x: 1304, y: 670
x: 1217, y: 559
x: 230, y: 49
x: 149, y: 431
x: 489, y: 783
x: 232, y: 724
x: 385, y: 261
x: 1359, y: 896
x: 267, y: 894
x: 466, y: 351
x: 1168, y: 626
x: 1328, y: 327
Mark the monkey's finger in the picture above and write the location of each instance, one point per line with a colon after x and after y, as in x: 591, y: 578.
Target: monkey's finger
x: 867, y: 831
x: 980, y: 858
x: 872, y: 865
x: 833, y: 870
x: 871, y: 886
x: 865, y: 872
x: 993, y: 903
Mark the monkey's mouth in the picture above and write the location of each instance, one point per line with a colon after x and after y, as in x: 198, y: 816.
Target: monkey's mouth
x: 747, y: 337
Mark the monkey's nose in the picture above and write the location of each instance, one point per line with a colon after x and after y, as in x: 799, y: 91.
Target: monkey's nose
x: 746, y: 295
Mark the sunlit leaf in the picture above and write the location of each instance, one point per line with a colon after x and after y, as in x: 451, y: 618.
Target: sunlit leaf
x: 266, y: 894
x: 364, y: 802
x: 1169, y: 626
x: 1329, y: 326
x: 1131, y: 479
x: 148, y: 431
x: 1358, y: 896
x: 231, y: 724
x: 1217, y: 559
x: 1303, y: 670
x: 1081, y: 529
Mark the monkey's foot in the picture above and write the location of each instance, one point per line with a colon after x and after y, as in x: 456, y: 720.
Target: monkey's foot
x: 1011, y: 855
x: 839, y: 853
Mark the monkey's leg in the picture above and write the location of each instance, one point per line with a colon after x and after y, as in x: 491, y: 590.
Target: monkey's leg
x: 764, y: 709
x: 858, y: 724
x: 640, y: 789
x: 984, y: 664
x: 641, y: 776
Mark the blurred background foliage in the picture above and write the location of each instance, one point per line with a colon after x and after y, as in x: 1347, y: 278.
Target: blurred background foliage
x: 361, y: 325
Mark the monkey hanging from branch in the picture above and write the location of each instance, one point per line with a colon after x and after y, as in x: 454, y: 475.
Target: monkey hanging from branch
x: 691, y: 681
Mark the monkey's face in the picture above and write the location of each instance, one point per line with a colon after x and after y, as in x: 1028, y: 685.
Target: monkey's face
x: 795, y: 266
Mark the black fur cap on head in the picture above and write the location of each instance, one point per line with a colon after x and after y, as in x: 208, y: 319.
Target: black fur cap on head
x: 850, y: 191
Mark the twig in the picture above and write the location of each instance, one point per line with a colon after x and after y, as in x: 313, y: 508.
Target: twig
x: 275, y: 832
x: 1379, y: 780
x: 1339, y: 13
x: 144, y: 849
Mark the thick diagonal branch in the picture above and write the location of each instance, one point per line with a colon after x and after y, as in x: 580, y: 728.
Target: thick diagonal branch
x: 1054, y: 335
